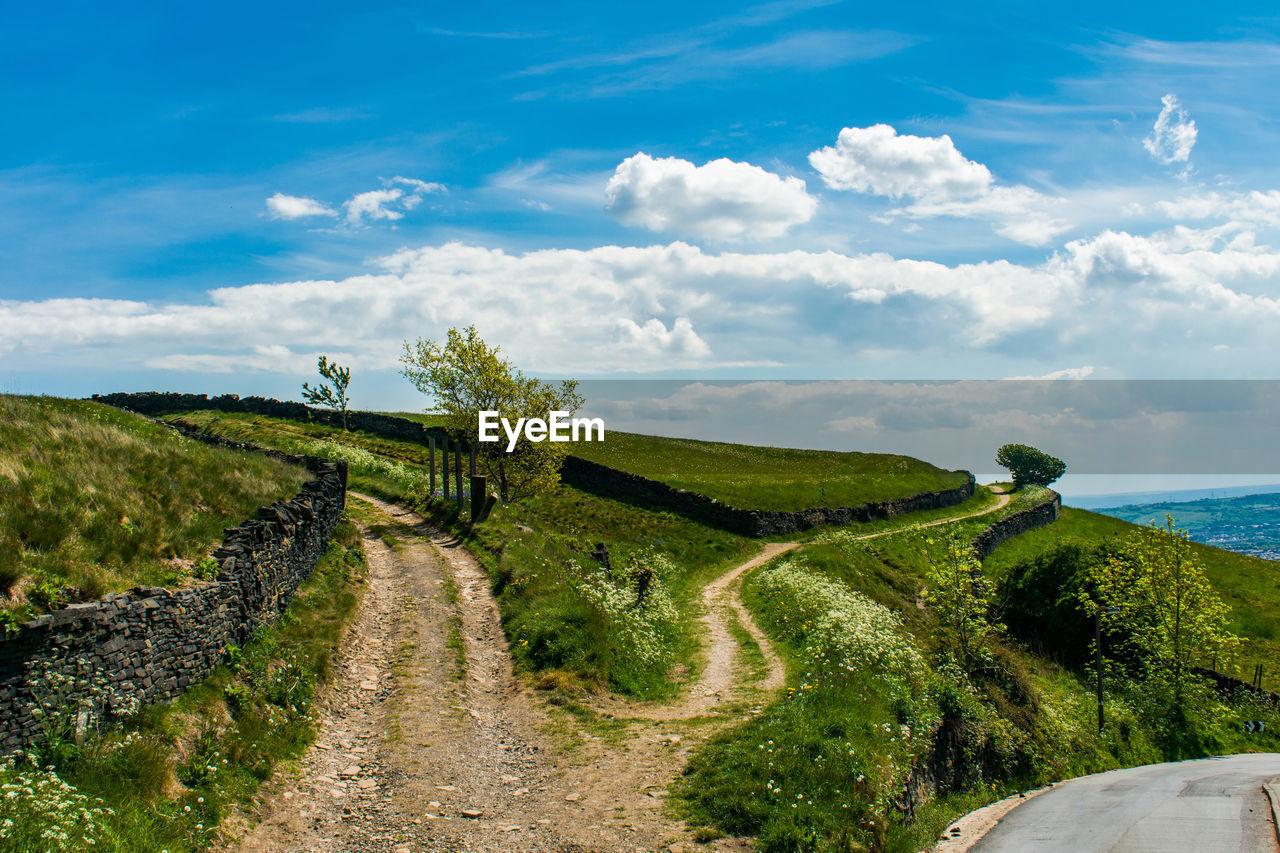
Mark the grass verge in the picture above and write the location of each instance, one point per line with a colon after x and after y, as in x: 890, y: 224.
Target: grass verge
x: 165, y: 780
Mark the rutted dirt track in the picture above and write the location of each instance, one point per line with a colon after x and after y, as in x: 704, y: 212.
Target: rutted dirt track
x: 414, y: 756
x: 419, y: 751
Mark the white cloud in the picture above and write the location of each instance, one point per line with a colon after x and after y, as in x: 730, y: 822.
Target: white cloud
x: 1066, y: 373
x: 372, y: 205
x: 387, y: 204
x: 263, y: 358
x: 1019, y: 213
x: 1173, y: 135
x: 283, y: 206
x: 1256, y: 208
x: 938, y: 179
x: 420, y: 187
x: 655, y: 337
x: 878, y: 160
x: 1117, y: 296
x: 721, y: 200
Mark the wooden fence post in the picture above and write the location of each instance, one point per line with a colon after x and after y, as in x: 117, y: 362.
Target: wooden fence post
x: 458, y: 471
x: 444, y: 467
x: 431, y: 444
x: 477, y: 497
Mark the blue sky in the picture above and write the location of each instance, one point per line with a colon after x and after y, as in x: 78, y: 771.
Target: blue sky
x: 208, y: 198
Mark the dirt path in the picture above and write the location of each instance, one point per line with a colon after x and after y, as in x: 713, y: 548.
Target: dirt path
x: 428, y: 742
x: 723, y: 683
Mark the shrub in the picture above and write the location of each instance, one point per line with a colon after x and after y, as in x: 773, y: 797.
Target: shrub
x: 1030, y: 466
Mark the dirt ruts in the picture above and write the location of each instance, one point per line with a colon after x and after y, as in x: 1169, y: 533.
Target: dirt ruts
x: 428, y: 741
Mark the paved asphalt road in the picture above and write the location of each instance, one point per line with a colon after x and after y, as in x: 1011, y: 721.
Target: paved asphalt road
x: 1211, y: 804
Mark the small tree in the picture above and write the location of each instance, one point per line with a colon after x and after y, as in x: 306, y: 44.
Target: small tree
x: 959, y: 595
x: 1029, y: 465
x: 332, y: 392
x: 466, y: 376
x: 1157, y: 592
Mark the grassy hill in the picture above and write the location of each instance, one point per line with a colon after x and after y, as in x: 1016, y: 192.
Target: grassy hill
x: 95, y: 500
x: 557, y: 615
x: 821, y: 767
x: 753, y: 477
x: 774, y: 478
x: 1250, y: 585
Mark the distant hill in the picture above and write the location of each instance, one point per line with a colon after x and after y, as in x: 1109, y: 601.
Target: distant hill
x: 1097, y: 503
x: 1248, y: 524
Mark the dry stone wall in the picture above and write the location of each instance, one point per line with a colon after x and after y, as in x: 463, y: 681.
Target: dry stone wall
x: 164, y: 402
x: 150, y: 644
x: 577, y: 472
x: 1018, y: 523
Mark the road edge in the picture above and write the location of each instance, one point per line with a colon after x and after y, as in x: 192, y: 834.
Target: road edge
x: 976, y: 824
x: 1272, y: 790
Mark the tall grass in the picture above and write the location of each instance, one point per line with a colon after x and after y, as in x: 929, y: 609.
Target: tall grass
x: 94, y: 500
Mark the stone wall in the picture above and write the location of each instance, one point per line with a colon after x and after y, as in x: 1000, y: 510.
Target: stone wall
x: 581, y: 474
x: 151, y: 644
x: 1020, y: 522
x: 163, y: 403
x: 632, y: 488
x: 955, y: 761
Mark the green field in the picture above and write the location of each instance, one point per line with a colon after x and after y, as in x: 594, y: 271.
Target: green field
x: 95, y: 500
x: 772, y: 478
x: 752, y: 477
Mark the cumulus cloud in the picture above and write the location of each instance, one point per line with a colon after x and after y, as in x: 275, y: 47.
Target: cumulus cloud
x: 655, y: 337
x: 282, y: 206
x: 1173, y: 135
x: 721, y: 200
x: 677, y: 307
x: 371, y: 206
x: 879, y: 160
x: 938, y: 179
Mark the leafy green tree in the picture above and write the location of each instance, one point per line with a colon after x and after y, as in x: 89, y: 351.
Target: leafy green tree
x: 959, y: 596
x: 1156, y: 591
x: 1029, y: 465
x: 465, y: 376
x: 332, y: 391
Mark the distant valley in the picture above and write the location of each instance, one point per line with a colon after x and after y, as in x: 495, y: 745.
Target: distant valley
x: 1248, y: 524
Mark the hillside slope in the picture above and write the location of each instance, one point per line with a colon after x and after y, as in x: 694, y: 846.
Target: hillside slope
x: 95, y: 500
x: 1250, y: 585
